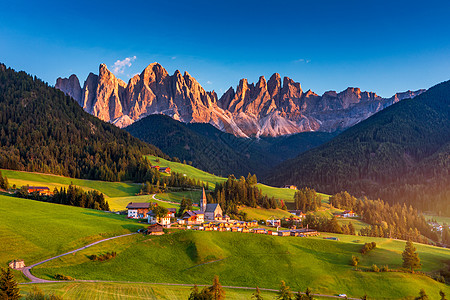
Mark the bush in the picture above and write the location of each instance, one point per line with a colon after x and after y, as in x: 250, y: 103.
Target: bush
x: 103, y: 257
x: 368, y: 246
x: 385, y: 268
x: 375, y: 268
x: 63, y: 277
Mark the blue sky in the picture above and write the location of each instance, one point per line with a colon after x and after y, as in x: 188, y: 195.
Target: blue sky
x: 380, y: 46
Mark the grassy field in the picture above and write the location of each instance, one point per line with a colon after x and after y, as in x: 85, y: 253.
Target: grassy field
x: 110, y: 189
x: 439, y: 219
x: 249, y: 260
x: 178, y: 196
x: 33, y: 230
x: 188, y: 170
x: 120, y: 203
x: 264, y: 214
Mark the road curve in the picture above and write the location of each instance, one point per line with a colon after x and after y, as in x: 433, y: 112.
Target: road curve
x: 34, y: 279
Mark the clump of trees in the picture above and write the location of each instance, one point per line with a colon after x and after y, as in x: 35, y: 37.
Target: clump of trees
x: 367, y: 247
x: 185, y: 205
x: 322, y: 223
x: 103, y: 257
x: 8, y: 285
x: 73, y: 196
x: 242, y: 191
x: 307, y: 199
x: 214, y: 292
x: 388, y: 221
x: 63, y: 277
x: 4, y: 184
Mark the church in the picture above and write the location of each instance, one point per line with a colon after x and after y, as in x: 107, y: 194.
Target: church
x: 212, y: 211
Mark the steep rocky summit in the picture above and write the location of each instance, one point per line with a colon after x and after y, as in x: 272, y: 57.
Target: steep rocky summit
x: 265, y: 108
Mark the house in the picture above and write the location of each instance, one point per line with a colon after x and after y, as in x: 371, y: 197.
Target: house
x: 193, y: 217
x: 17, y: 264
x: 155, y: 167
x: 348, y: 214
x: 155, y: 229
x: 226, y: 218
x: 259, y: 230
x: 41, y: 190
x: 165, y: 170
x: 289, y: 186
x: 297, y: 213
x: 273, y: 223
x: 212, y: 211
x: 172, y: 212
x: 284, y: 233
x: 165, y: 221
x: 138, y: 210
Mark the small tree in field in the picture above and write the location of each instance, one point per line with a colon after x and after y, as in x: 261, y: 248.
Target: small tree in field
x: 422, y: 295
x: 442, y: 294
x: 285, y: 292
x: 355, y: 261
x: 8, y: 285
x: 257, y: 294
x: 216, y: 289
x: 411, y: 258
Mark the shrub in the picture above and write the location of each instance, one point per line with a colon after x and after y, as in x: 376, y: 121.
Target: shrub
x: 63, y: 277
x: 375, y: 268
x: 385, y: 268
x: 368, y: 246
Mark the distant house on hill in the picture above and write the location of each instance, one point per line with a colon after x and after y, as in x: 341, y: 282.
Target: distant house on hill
x: 165, y: 170
x: 155, y: 229
x: 42, y: 190
x: 138, y: 210
x: 155, y: 167
x: 172, y: 212
x: 273, y: 223
x: 212, y: 211
x: 297, y: 213
x: 289, y: 186
x: 193, y: 217
x: 17, y: 264
x: 348, y: 214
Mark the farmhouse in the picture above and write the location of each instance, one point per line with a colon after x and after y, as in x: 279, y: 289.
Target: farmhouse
x: 297, y: 213
x: 273, y: 223
x: 165, y: 221
x: 138, y: 210
x: 155, y: 167
x: 212, y: 211
x: 193, y: 217
x: 348, y: 214
x: 17, y: 264
x: 172, y: 212
x: 155, y: 229
x: 42, y: 190
x: 165, y: 170
x: 289, y: 186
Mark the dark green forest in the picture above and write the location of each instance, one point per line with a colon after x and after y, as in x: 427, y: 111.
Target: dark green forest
x: 221, y: 153
x: 42, y: 130
x: 401, y: 155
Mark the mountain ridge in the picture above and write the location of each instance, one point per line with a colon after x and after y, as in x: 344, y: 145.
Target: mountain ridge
x: 265, y: 108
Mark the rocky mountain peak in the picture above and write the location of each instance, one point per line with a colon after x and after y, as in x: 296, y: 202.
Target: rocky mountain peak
x: 71, y: 86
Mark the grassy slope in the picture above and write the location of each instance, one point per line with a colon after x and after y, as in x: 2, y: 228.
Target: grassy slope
x: 110, y: 189
x: 99, y: 291
x: 33, y: 230
x: 250, y: 260
x: 264, y: 214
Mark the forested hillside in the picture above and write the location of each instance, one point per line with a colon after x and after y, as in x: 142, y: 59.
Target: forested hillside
x: 401, y: 154
x: 43, y: 130
x: 218, y: 152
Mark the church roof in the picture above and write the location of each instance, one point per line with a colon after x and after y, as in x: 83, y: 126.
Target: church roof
x: 211, y: 207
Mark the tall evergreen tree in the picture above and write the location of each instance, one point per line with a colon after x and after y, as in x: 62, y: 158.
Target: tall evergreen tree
x: 257, y: 294
x: 285, y: 292
x: 216, y: 290
x: 411, y: 258
x: 8, y: 286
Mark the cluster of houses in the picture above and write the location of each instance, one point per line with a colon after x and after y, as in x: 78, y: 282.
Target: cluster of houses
x: 348, y: 214
x: 166, y: 170
x: 210, y: 217
x: 41, y: 190
x: 437, y: 227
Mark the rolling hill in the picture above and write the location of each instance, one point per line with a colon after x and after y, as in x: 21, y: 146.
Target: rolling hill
x: 401, y: 154
x: 214, y: 151
x: 43, y: 130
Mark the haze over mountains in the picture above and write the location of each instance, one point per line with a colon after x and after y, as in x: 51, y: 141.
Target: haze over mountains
x: 267, y: 108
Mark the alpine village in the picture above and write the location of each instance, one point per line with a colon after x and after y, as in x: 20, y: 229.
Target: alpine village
x: 123, y: 176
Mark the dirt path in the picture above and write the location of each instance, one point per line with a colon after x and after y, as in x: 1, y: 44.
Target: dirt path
x: 170, y: 202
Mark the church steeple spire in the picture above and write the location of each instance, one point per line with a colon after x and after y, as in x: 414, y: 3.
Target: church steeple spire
x: 203, y: 201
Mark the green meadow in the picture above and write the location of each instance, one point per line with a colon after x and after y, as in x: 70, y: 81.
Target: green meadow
x: 264, y: 214
x: 33, y: 230
x: 103, y: 291
x: 110, y: 189
x: 251, y: 260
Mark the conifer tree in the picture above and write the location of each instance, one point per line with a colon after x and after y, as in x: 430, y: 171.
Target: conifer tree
x: 422, y: 295
x: 216, y: 290
x: 257, y: 294
x: 442, y: 294
x: 411, y: 258
x: 285, y: 292
x: 8, y: 286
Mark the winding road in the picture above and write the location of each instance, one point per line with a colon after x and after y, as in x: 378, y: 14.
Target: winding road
x: 34, y: 279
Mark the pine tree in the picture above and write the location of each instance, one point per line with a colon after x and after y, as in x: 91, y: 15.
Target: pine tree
x: 411, y: 258
x: 216, y: 289
x: 257, y: 294
x: 285, y: 292
x: 8, y: 285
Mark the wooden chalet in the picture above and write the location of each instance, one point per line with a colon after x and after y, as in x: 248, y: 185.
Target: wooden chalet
x: 41, y: 190
x: 138, y: 210
x: 289, y: 186
x: 155, y: 167
x: 165, y: 170
x: 348, y: 214
x: 193, y: 217
x: 155, y: 229
x: 17, y: 264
